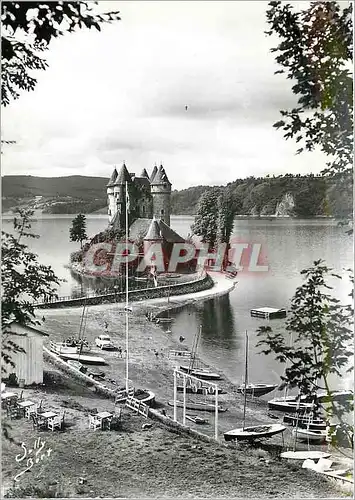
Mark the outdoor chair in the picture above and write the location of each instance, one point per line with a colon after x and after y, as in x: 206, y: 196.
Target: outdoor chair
x: 31, y: 410
x: 94, y: 422
x: 37, y: 422
x: 55, y: 423
x: 14, y: 411
x: 116, y: 420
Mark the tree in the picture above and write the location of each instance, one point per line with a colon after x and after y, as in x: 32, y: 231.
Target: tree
x: 78, y: 229
x: 226, y: 214
x: 206, y: 219
x: 322, y: 340
x: 27, y: 30
x: 316, y: 53
x: 24, y: 281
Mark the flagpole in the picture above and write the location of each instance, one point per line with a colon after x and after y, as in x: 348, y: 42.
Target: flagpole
x: 127, y: 200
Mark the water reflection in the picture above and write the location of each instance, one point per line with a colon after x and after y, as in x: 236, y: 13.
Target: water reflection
x: 217, y: 318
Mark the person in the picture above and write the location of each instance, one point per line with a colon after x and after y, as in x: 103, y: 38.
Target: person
x: 106, y: 325
x: 156, y: 354
x: 120, y: 352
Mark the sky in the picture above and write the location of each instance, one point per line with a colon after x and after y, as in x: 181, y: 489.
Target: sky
x: 120, y: 95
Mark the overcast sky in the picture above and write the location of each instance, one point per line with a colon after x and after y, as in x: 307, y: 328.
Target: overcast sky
x: 120, y: 95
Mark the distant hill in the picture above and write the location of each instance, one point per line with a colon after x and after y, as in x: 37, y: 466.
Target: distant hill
x: 300, y: 196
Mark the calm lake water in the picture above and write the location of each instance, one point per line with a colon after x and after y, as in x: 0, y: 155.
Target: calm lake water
x: 289, y: 246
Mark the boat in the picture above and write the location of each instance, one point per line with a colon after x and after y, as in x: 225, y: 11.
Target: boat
x: 256, y: 389
x: 322, y: 396
x: 202, y: 406
x: 62, y: 348
x: 203, y: 373
x: 251, y: 433
x: 160, y: 321
x: 290, y: 406
x: 196, y: 419
x: 194, y: 389
x: 85, y: 358
x: 305, y: 421
x: 255, y: 432
x: 304, y: 455
x: 312, y: 436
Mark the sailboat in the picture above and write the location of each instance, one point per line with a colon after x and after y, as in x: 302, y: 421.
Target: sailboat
x: 258, y: 431
x: 77, y: 349
x: 202, y: 373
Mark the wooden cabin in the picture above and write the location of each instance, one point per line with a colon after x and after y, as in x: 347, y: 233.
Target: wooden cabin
x: 29, y: 364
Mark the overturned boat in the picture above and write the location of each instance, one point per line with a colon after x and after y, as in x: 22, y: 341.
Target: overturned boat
x: 198, y: 406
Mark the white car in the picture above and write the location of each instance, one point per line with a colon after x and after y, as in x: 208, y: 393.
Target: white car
x: 104, y: 342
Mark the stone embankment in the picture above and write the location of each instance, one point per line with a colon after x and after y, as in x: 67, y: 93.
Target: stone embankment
x: 161, y: 292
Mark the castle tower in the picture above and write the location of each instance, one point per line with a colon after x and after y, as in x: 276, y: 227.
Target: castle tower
x: 110, y: 196
x: 161, y: 192
x: 117, y: 197
x: 155, y: 170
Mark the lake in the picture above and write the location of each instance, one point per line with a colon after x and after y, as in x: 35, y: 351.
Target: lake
x: 289, y: 246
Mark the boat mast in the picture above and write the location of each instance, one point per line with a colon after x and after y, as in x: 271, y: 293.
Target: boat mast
x: 245, y: 378
x: 194, y: 349
x: 127, y: 201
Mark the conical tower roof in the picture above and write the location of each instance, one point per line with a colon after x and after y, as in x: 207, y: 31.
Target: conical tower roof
x: 112, y: 178
x: 144, y: 173
x: 153, y: 233
x: 155, y: 170
x: 160, y: 177
x: 123, y: 176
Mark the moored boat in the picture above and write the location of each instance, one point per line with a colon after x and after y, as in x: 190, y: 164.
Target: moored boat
x: 254, y: 432
x: 256, y: 389
x: 304, y: 421
x: 304, y: 455
x: 314, y: 436
x: 203, y: 373
x: 290, y: 406
x: 194, y: 389
x: 198, y: 406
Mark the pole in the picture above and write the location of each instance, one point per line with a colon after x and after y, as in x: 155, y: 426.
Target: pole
x: 245, y: 378
x: 216, y: 413
x: 175, y: 391
x: 127, y: 379
x: 184, y: 406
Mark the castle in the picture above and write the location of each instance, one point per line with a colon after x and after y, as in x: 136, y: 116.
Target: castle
x: 149, y: 197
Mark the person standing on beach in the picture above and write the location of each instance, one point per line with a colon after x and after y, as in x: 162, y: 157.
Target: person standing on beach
x: 120, y: 352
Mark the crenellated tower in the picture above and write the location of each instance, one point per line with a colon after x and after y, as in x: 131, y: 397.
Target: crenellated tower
x: 161, y: 192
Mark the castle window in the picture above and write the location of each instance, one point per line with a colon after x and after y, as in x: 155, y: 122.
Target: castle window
x: 164, y: 184
x: 162, y: 211
x: 143, y: 210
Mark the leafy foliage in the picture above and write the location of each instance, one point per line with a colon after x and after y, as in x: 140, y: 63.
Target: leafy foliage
x: 24, y: 281
x: 316, y: 53
x: 206, y: 219
x: 322, y: 339
x: 27, y: 30
x: 78, y: 230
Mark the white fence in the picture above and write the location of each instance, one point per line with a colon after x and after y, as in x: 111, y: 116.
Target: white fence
x: 138, y: 406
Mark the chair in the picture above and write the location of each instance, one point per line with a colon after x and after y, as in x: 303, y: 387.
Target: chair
x: 94, y: 422
x: 31, y: 410
x: 38, y: 423
x: 106, y: 423
x: 55, y: 423
x: 14, y: 411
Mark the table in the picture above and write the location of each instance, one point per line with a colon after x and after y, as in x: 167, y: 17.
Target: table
x: 26, y: 406
x: 8, y: 398
x: 47, y: 414
x: 7, y: 395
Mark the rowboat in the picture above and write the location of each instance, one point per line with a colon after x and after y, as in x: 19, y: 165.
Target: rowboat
x: 203, y: 373
x: 322, y: 396
x: 288, y: 405
x: 315, y: 436
x: 256, y: 389
x: 304, y: 455
x: 85, y: 359
x: 198, y: 406
x: 254, y: 432
x: 304, y: 421
x: 194, y: 389
x: 196, y: 419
